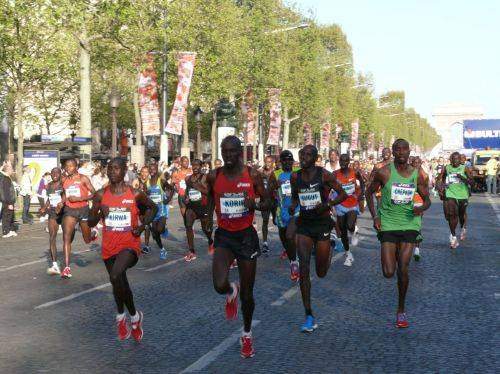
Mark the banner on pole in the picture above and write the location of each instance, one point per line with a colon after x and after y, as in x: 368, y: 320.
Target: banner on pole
x: 308, y: 138
x: 249, y: 112
x: 325, y: 136
x: 354, y: 135
x: 275, y: 117
x: 184, y: 75
x: 147, y: 89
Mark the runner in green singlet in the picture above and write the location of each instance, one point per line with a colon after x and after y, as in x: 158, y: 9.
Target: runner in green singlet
x: 455, y: 179
x: 398, y: 221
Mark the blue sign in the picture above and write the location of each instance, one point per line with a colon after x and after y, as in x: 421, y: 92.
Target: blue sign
x: 482, y: 133
x: 81, y: 139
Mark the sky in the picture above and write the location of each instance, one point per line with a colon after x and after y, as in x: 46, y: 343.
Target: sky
x: 438, y: 52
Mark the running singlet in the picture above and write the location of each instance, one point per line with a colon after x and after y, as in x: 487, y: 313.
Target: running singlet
x: 75, y: 187
x: 284, y: 196
x: 155, y: 191
x: 123, y: 217
x: 229, y: 194
x: 396, y: 206
x: 196, y: 198
x: 349, y: 186
x: 180, y: 180
x: 455, y: 187
x: 54, y: 194
x: 311, y: 194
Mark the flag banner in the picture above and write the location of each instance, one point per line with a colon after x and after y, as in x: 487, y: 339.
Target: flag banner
x: 184, y: 75
x: 149, y: 108
x: 325, y: 136
x: 248, y: 110
x: 371, y: 142
x: 308, y: 137
x: 354, y: 135
x: 275, y: 117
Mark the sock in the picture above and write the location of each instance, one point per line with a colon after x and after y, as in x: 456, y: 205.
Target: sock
x: 120, y: 317
x: 135, y: 318
x: 54, y: 263
x: 309, y: 312
x: 233, y: 291
x: 246, y: 334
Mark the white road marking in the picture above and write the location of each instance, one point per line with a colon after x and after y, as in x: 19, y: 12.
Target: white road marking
x: 36, y: 262
x: 292, y: 291
x: 495, y: 207
x: 72, y: 296
x: 165, y: 264
x: 212, y: 355
x: 497, y: 295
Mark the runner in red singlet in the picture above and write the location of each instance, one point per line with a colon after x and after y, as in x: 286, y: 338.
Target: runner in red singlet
x: 77, y: 191
x: 234, y: 188
x: 179, y: 180
x: 118, y: 205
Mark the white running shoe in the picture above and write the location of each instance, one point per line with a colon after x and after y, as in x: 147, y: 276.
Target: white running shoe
x: 10, y: 234
x: 416, y: 254
x: 349, y: 259
x: 463, y: 233
x: 453, y: 242
x: 54, y: 269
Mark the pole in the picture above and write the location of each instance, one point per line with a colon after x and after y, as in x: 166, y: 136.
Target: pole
x: 198, y: 141
x: 164, y: 96
x: 113, y: 133
x: 261, y: 134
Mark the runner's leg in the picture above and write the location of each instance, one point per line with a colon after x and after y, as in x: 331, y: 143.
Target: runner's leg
x: 323, y: 257
x: 462, y: 213
x: 86, y: 232
x: 247, y: 270
x: 452, y: 212
x: 68, y: 225
x: 388, y: 259
x: 304, y: 248
x: 342, y: 225
x: 117, y: 267
x: 405, y: 252
x: 189, y: 219
x: 53, y: 228
x: 265, y: 229
x: 223, y: 258
x: 158, y: 228
x: 291, y: 248
x: 206, y: 226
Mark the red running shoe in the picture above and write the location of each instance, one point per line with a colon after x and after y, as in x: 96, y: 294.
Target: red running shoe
x: 137, y: 331
x: 247, y: 350
x: 190, y: 257
x: 211, y: 249
x: 294, y: 271
x: 232, y: 302
x: 283, y: 255
x: 402, y: 321
x: 66, y: 273
x: 123, y: 329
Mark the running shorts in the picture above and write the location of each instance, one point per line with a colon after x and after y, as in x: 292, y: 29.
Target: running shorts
x: 81, y: 214
x: 244, y: 244
x: 317, y: 230
x: 162, y: 212
x: 399, y: 236
x: 111, y: 260
x: 53, y: 215
x: 342, y: 210
x: 461, y: 203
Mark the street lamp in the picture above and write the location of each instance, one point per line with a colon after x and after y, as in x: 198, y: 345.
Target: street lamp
x: 114, y: 102
x: 197, y: 116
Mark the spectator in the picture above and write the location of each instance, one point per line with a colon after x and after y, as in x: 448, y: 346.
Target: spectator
x: 8, y: 200
x: 99, y: 180
x: 26, y: 192
x: 491, y: 175
x: 86, y: 168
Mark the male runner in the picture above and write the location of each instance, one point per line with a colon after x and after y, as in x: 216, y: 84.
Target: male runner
x: 118, y: 205
x: 279, y: 184
x: 179, y: 181
x: 234, y: 188
x: 160, y: 192
x: 197, y: 207
x: 398, y: 221
x: 455, y: 179
x: 53, y: 207
x: 348, y: 210
x: 77, y: 192
x: 386, y: 160
x: 266, y: 171
x: 311, y: 186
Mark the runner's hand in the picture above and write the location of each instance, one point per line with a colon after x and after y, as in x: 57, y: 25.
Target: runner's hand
x: 418, y: 211
x: 250, y: 203
x: 104, y: 211
x: 59, y: 207
x: 41, y: 211
x: 322, y: 207
x: 138, y: 230
x: 377, y: 224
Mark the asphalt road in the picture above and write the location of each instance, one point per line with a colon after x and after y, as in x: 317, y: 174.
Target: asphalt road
x: 60, y: 326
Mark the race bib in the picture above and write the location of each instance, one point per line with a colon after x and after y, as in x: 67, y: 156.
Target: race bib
x: 286, y: 189
x: 55, y: 198
x: 452, y: 178
x: 265, y: 183
x: 118, y: 219
x: 402, y: 193
x: 233, y: 206
x: 309, y: 200
x: 73, y: 190
x: 349, y: 188
x: 194, y: 195
x: 182, y: 184
x: 156, y: 197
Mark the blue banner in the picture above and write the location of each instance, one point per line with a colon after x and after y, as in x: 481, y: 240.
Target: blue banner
x: 482, y: 133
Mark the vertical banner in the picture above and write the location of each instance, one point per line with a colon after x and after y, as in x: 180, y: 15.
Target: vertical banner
x: 184, y: 75
x: 354, y: 135
x: 248, y: 106
x: 308, y: 138
x: 325, y: 136
x: 275, y: 117
x: 147, y: 89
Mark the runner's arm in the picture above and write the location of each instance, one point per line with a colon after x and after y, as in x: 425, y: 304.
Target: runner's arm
x: 469, y: 180
x: 295, y: 194
x: 258, y: 185
x: 423, y: 191
x: 332, y: 182
x: 272, y: 184
x: 200, y: 185
x: 376, y: 183
x: 143, y: 201
x: 362, y: 185
x: 97, y: 212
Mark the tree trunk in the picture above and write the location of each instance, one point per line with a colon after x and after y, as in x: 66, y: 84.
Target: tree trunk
x: 85, y: 107
x: 20, y: 140
x: 214, y: 136
x: 138, y: 123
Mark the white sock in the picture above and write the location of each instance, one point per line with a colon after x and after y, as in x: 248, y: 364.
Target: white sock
x: 135, y: 318
x: 120, y: 317
x: 246, y: 334
x: 54, y: 264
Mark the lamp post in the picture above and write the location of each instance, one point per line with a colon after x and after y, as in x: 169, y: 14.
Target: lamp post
x: 197, y: 115
x: 114, y: 101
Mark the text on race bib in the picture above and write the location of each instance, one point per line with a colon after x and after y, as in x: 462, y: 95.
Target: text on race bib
x: 402, y: 193
x: 194, y: 195
x: 286, y: 189
x: 55, y: 198
x: 182, y: 184
x: 73, y: 190
x: 349, y: 188
x: 155, y: 197
x: 452, y: 178
x: 309, y: 200
x: 233, y: 205
x: 118, y: 219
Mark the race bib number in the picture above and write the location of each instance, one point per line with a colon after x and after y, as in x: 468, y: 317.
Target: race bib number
x: 118, y: 219
x: 286, y: 189
x: 233, y: 206
x: 55, y: 198
x: 182, y: 184
x: 73, y: 190
x: 309, y: 200
x: 452, y: 178
x: 194, y: 195
x: 156, y: 197
x: 402, y: 193
x: 349, y: 188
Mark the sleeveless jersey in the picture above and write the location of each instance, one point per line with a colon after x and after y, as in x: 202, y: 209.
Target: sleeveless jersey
x: 455, y: 187
x: 349, y: 186
x: 196, y: 198
x: 155, y: 191
x: 310, y: 194
x: 75, y: 187
x: 123, y: 217
x: 54, y: 194
x: 396, y: 206
x: 229, y: 195
x: 284, y: 196
x: 180, y: 180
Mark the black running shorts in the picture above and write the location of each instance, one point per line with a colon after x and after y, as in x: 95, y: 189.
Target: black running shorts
x: 318, y: 230
x: 461, y: 203
x: 399, y: 236
x: 244, y: 244
x: 53, y: 215
x: 81, y: 214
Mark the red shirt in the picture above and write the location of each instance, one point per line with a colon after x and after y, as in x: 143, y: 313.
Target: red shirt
x: 349, y: 186
x: 74, y: 186
x: 179, y: 179
x: 123, y: 217
x: 229, y: 195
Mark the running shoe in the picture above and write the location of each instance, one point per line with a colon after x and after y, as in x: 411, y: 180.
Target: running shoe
x: 146, y: 249
x: 309, y: 325
x: 232, y: 302
x: 453, y: 242
x: 66, y: 273
x: 349, y: 259
x: 137, y: 331
x: 416, y: 254
x: 10, y: 234
x: 163, y: 254
x: 294, y: 271
x: 463, y: 234
x: 402, y: 321
x: 54, y: 269
x: 190, y: 257
x: 265, y: 248
x: 234, y: 265
x: 123, y: 329
x: 283, y: 255
x: 211, y: 249
x: 246, y: 343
